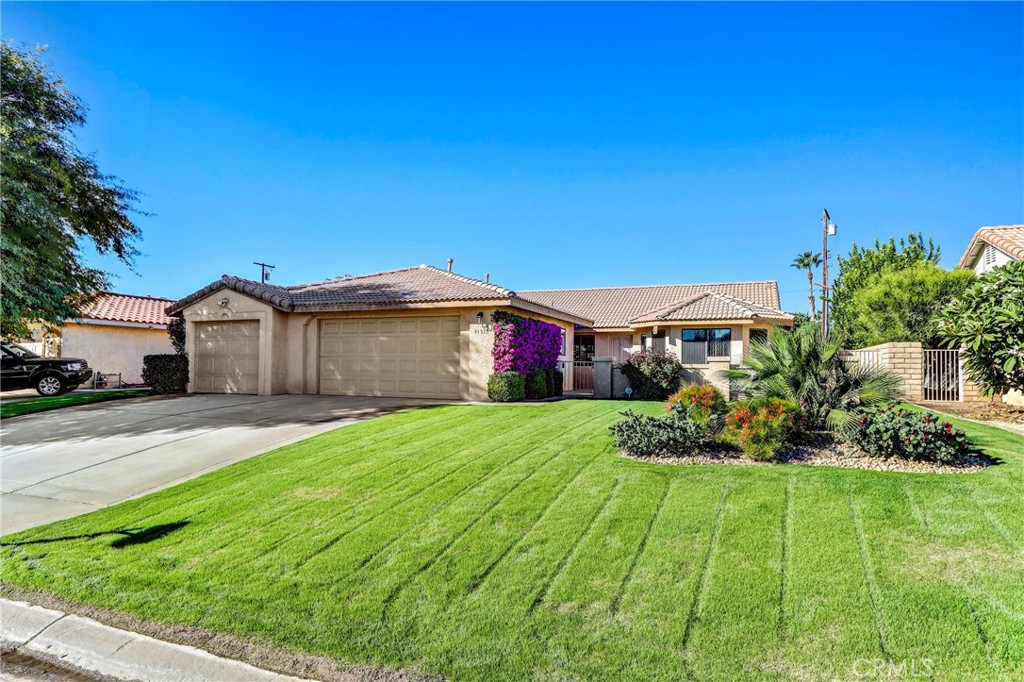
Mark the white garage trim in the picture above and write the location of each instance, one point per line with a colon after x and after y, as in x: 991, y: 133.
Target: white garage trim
x: 408, y: 357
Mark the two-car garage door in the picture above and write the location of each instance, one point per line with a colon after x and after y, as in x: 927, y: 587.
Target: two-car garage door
x: 406, y: 357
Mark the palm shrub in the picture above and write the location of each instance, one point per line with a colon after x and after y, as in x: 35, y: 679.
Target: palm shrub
x: 801, y: 367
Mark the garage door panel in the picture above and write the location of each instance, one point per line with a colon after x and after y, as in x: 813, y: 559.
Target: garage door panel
x: 404, y: 357
x: 227, y: 357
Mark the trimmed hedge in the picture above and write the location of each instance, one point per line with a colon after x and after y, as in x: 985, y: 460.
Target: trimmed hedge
x: 165, y: 374
x: 555, y: 379
x: 537, y: 384
x: 506, y: 387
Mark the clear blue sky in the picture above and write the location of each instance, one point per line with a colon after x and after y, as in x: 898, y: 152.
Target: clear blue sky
x: 550, y: 145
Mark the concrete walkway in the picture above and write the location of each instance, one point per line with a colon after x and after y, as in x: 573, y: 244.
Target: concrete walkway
x: 66, y: 462
x: 82, y: 644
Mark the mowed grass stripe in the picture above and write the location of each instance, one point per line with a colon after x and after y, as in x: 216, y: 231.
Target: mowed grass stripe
x: 916, y: 616
x: 824, y: 579
x: 322, y: 497
x: 377, y: 583
x: 359, y: 550
x: 737, y: 624
x: 656, y: 609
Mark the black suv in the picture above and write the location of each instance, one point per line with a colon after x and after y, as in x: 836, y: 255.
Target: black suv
x: 21, y: 368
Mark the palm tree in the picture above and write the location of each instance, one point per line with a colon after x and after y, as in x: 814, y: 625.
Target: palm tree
x: 808, y: 260
x: 810, y: 371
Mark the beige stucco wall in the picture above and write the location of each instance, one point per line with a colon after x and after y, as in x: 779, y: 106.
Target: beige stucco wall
x: 707, y: 373
x: 114, y: 349
x: 273, y: 333
x: 290, y: 342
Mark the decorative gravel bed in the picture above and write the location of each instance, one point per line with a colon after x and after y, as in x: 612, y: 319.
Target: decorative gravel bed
x: 822, y: 450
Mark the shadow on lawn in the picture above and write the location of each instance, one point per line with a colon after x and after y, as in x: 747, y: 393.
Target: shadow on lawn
x: 128, y: 536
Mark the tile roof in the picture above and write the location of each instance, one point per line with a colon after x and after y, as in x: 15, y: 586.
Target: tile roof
x: 128, y: 308
x: 1007, y: 238
x: 379, y: 290
x: 711, y: 305
x: 618, y: 307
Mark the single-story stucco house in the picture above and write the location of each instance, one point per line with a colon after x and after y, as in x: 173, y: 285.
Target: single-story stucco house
x: 425, y: 332
x: 113, y: 334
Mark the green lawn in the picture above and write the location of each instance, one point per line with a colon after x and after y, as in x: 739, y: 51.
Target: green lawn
x: 20, y: 407
x: 512, y: 543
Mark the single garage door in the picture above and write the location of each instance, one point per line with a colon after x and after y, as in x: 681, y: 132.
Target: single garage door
x: 408, y: 357
x: 227, y: 357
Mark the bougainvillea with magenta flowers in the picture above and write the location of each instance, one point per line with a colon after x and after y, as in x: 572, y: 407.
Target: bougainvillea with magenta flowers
x: 523, y: 345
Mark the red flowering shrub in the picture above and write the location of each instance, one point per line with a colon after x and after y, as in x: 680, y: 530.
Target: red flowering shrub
x: 761, y: 427
x: 653, y: 374
x: 706, y: 401
x: 908, y: 434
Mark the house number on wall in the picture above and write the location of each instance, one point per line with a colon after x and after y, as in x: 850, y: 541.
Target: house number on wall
x: 483, y: 329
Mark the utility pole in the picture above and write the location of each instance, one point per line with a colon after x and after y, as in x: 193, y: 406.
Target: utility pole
x: 265, y: 269
x: 828, y: 229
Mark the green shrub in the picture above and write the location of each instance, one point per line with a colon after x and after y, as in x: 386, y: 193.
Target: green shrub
x: 675, y: 434
x: 706, y: 400
x: 165, y: 374
x: 506, y: 387
x: 761, y: 427
x: 653, y: 374
x: 555, y: 379
x: 908, y: 434
x: 537, y: 384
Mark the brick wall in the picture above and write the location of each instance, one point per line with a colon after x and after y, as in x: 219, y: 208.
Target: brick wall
x: 905, y: 359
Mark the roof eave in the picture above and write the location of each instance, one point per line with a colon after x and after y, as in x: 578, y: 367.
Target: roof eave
x: 523, y: 304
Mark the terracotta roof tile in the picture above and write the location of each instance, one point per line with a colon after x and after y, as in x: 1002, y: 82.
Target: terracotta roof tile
x: 127, y: 308
x: 1007, y: 238
x: 617, y: 307
x: 711, y: 305
x: 392, y: 288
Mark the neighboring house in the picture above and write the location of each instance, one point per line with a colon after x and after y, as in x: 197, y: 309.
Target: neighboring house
x: 425, y: 332
x: 992, y: 247
x: 113, y: 334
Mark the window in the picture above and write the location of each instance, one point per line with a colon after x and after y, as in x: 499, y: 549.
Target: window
x: 583, y: 348
x: 657, y: 341
x: 700, y: 344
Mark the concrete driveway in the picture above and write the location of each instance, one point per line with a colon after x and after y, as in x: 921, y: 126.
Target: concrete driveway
x: 59, y: 464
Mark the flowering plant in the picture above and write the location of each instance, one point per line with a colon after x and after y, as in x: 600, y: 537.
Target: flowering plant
x: 523, y: 345
x: 761, y: 427
x: 705, y: 399
x: 908, y: 434
x: 653, y: 374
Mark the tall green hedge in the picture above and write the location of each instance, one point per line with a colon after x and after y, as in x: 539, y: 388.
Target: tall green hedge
x: 165, y: 374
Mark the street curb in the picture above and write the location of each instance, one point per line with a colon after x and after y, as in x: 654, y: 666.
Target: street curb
x: 85, y: 645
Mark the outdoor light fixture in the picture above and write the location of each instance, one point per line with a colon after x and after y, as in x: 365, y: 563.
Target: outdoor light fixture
x: 479, y: 318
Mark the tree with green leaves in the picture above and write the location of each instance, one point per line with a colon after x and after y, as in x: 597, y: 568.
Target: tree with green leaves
x: 808, y: 260
x: 987, y: 322
x: 858, y: 269
x: 901, y: 305
x: 55, y: 200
